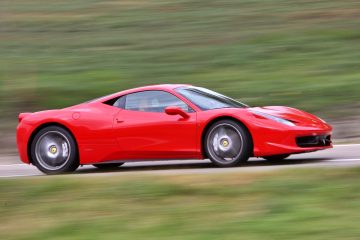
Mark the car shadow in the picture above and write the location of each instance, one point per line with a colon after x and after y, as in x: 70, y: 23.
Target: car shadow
x: 198, y: 164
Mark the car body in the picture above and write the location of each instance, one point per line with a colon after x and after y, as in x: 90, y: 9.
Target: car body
x: 115, y: 128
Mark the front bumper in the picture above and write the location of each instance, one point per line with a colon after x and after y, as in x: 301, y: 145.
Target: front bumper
x: 294, y: 140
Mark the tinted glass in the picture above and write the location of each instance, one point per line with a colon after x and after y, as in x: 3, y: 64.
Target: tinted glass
x: 206, y: 99
x: 153, y: 101
x: 120, y: 102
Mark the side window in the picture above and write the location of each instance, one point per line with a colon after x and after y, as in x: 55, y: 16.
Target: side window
x: 120, y: 102
x: 153, y: 101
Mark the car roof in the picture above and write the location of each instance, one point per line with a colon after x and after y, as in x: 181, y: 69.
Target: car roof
x: 139, y: 89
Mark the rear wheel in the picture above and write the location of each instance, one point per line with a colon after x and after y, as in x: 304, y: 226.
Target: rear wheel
x: 228, y: 143
x: 108, y: 165
x: 276, y: 158
x: 54, y: 151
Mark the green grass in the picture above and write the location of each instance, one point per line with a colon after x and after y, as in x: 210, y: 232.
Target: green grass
x: 292, y: 204
x: 278, y: 52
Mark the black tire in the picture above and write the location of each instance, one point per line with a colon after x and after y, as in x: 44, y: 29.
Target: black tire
x: 50, y: 156
x: 108, y: 165
x: 276, y: 158
x: 233, y: 145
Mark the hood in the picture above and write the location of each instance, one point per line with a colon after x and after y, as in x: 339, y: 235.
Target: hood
x: 294, y: 115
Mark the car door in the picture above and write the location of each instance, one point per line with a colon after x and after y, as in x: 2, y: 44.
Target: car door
x: 144, y: 131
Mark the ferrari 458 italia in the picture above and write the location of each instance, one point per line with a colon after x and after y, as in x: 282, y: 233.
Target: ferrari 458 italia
x: 164, y: 122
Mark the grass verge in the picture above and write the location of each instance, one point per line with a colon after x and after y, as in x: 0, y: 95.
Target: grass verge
x: 291, y: 204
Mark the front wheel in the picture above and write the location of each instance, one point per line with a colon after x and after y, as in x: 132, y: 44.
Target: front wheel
x: 54, y: 151
x: 228, y: 143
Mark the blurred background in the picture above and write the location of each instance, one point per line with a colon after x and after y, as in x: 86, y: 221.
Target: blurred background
x: 303, y: 54
x: 298, y: 53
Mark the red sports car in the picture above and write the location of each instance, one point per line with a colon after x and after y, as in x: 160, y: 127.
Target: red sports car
x: 165, y: 122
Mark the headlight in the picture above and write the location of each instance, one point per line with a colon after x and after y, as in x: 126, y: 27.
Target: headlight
x: 322, y: 120
x: 271, y: 117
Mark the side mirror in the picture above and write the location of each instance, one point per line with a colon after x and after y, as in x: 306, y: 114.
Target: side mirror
x: 172, y: 110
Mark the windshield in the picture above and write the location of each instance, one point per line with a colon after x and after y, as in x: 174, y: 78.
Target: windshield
x: 206, y: 99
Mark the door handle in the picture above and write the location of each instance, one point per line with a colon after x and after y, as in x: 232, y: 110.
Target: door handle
x: 119, y: 120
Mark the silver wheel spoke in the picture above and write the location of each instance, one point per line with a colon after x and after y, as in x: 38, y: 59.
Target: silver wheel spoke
x: 215, y: 143
x: 222, y: 154
x: 233, y: 152
x: 222, y: 132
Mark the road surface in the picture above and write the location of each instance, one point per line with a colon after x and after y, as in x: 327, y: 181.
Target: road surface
x: 339, y: 156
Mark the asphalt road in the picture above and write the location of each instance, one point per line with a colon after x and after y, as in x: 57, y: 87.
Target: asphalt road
x: 339, y: 156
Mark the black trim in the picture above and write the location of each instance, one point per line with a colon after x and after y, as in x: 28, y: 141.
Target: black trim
x: 314, y: 141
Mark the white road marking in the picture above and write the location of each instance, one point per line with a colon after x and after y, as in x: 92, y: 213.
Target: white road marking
x: 15, y: 164
x: 342, y: 160
x: 346, y: 145
x: 13, y: 176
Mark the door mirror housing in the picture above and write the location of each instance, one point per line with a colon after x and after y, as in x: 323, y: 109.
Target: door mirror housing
x: 173, y: 110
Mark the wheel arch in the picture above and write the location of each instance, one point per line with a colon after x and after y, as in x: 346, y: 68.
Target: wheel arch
x: 217, y: 119
x: 44, y: 125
